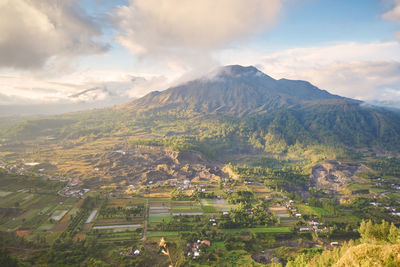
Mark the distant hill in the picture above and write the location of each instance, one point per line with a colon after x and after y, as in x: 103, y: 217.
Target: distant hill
x: 234, y: 90
x: 292, y: 111
x: 236, y: 106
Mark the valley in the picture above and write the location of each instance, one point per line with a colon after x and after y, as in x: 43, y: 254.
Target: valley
x: 267, y: 173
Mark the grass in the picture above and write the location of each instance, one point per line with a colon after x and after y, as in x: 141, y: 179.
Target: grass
x: 395, y: 196
x: 185, y: 210
x: 162, y: 234
x: 218, y: 244
x: 207, y: 202
x: 209, y: 209
x: 158, y: 219
x: 259, y: 230
x: 4, y: 193
x: 45, y: 227
x: 310, y: 210
x: 271, y: 230
x: 118, y: 236
x: 347, y: 218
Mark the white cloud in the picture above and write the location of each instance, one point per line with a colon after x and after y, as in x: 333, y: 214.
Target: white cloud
x: 106, y: 87
x: 365, y: 71
x: 369, y: 72
x: 187, y: 31
x: 35, y: 31
x: 394, y: 14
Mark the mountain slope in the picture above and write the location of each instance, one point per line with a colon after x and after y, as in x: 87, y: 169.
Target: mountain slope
x: 231, y: 110
x: 234, y: 90
x: 284, y: 111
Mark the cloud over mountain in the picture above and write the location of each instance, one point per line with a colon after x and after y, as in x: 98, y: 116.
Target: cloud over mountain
x: 186, y: 30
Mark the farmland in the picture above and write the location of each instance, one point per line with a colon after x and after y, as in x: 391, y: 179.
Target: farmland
x: 239, y: 217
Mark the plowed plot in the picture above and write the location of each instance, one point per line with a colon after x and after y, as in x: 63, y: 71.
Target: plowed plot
x: 158, y: 210
x: 280, y: 212
x: 221, y: 205
x: 23, y: 232
x: 123, y: 202
x: 186, y: 208
x: 61, y: 226
x: 115, y: 221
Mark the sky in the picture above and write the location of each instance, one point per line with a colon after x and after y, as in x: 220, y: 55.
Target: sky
x: 67, y: 55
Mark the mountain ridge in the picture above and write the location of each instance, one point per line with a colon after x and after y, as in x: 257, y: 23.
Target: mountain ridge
x: 235, y: 106
x: 234, y: 90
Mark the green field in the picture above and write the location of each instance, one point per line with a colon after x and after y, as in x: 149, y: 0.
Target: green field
x: 209, y: 209
x: 310, y: 210
x: 159, y: 219
x: 118, y: 236
x: 259, y: 230
x: 218, y: 244
x: 162, y: 234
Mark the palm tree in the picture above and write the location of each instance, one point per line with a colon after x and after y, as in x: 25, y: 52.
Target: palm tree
x: 164, y: 250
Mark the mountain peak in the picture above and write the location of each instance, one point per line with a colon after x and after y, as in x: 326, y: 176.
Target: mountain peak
x: 232, y: 89
x: 239, y: 71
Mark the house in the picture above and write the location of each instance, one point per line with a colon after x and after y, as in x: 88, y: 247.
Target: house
x: 298, y: 215
x: 304, y: 229
x: 136, y: 252
x: 334, y: 243
x: 75, y: 181
x: 208, y: 243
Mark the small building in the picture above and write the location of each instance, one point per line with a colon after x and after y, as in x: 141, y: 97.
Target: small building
x: 208, y: 243
x: 75, y: 181
x: 304, y: 229
x: 334, y: 243
x: 136, y: 252
x: 298, y: 215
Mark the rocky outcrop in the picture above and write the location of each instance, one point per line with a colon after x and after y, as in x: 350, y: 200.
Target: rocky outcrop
x: 333, y: 175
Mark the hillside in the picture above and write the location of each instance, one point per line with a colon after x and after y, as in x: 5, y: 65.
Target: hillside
x: 233, y: 90
x: 229, y: 111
